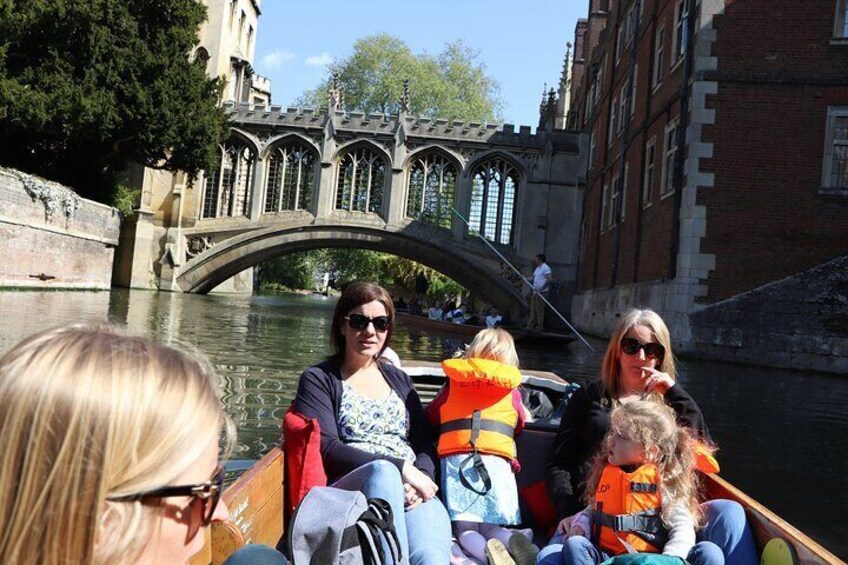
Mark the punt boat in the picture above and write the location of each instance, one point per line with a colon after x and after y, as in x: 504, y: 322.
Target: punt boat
x: 469, y: 330
x: 256, y: 498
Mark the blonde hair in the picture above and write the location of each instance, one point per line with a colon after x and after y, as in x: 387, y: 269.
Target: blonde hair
x: 495, y: 344
x: 653, y: 425
x: 611, y: 369
x: 86, y: 413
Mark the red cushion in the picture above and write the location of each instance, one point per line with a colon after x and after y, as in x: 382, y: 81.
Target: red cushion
x: 536, y: 498
x: 302, y: 449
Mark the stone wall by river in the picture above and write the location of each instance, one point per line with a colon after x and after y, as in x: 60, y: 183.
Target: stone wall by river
x: 52, y: 238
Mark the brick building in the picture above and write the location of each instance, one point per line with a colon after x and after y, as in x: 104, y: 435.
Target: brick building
x: 718, y: 150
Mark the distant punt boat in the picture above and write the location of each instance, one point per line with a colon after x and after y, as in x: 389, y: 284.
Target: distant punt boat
x: 468, y: 330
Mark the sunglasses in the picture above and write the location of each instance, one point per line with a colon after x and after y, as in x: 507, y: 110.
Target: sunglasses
x: 359, y: 322
x: 208, y: 493
x: 632, y: 346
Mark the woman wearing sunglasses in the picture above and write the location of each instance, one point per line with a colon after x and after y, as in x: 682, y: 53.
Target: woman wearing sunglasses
x: 110, y: 449
x: 374, y: 435
x: 638, y: 363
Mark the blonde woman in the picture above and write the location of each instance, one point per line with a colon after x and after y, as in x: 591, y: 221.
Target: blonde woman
x: 645, y: 446
x: 110, y: 449
x: 639, y: 363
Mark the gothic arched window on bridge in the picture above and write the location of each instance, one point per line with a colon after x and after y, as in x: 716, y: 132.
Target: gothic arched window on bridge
x: 227, y: 189
x: 432, y: 186
x: 493, y: 196
x: 362, y: 178
x: 291, y: 175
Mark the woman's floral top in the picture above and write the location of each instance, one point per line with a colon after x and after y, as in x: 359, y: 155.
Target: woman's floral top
x: 376, y: 426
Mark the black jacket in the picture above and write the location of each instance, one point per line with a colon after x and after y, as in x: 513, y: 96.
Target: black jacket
x: 584, y: 424
x: 319, y: 395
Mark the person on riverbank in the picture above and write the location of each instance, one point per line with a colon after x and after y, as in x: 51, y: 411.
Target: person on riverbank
x: 110, y: 449
x: 374, y: 435
x: 541, y: 285
x: 478, y: 479
x: 638, y: 363
x: 644, y: 446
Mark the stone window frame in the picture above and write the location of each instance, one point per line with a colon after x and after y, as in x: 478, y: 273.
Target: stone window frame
x: 840, y: 22
x: 612, y: 129
x: 605, y: 195
x: 670, y: 148
x: 633, y: 91
x: 429, y: 159
x: 233, y: 10
x: 682, y: 12
x: 650, y: 171
x: 659, y: 57
x: 482, y: 218
x: 623, y: 116
x: 832, y: 144
x: 278, y: 188
x: 230, y: 187
x: 357, y: 154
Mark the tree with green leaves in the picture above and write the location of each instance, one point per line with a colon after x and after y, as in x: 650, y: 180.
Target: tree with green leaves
x: 88, y: 87
x: 452, y: 85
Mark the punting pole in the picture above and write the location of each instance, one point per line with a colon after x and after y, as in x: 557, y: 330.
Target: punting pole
x: 517, y: 272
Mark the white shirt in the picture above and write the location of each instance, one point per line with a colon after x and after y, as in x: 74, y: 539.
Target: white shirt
x: 492, y: 320
x: 541, y: 277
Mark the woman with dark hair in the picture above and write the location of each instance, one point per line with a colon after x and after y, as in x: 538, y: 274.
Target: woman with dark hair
x: 374, y: 435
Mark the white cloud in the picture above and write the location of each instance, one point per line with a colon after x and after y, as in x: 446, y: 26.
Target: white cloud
x: 321, y: 60
x: 275, y: 59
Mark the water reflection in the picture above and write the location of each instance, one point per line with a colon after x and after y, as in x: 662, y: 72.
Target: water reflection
x: 780, y: 432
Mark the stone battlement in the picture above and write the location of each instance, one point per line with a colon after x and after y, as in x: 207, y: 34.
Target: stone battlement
x: 375, y: 123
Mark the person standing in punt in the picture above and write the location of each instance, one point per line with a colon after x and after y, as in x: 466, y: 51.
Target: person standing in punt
x: 638, y: 363
x: 110, y: 449
x: 374, y: 435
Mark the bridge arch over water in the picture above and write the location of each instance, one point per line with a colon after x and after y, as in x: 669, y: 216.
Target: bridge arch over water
x: 294, y: 179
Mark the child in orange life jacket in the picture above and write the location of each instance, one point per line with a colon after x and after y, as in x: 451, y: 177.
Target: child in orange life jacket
x: 642, y: 492
x: 478, y: 413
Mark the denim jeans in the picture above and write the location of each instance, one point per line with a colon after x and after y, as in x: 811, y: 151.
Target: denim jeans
x: 256, y: 555
x: 726, y: 530
x: 424, y: 532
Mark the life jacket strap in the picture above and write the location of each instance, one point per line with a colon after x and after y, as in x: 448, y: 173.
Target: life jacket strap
x: 484, y: 425
x: 647, y: 522
x: 475, y: 424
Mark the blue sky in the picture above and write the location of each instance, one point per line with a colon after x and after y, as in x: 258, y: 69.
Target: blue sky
x: 521, y: 42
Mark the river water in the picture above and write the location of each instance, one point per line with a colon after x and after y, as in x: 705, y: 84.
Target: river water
x: 782, y: 434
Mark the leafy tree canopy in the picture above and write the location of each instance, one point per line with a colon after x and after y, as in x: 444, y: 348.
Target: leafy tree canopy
x: 87, y: 87
x: 452, y: 85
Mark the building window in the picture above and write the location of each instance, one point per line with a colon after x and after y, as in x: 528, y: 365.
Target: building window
x: 613, y: 121
x: 840, y: 28
x: 835, y: 175
x: 494, y: 188
x: 681, y: 15
x: 242, y: 20
x: 431, y: 189
x: 362, y: 180
x: 233, y: 9
x: 249, y: 39
x: 226, y: 191
x: 593, y: 142
x: 648, y: 181
x: 667, y: 186
x: 614, y: 198
x: 619, y: 43
x: 604, y: 207
x: 633, y: 91
x: 623, y: 117
x: 619, y: 194
x: 291, y: 176
x: 659, y: 62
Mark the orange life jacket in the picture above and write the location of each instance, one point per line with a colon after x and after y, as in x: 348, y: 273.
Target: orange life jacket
x: 704, y: 460
x: 627, y: 508
x: 478, y: 414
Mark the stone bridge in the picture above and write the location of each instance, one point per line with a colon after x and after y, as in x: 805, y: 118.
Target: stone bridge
x: 295, y: 179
